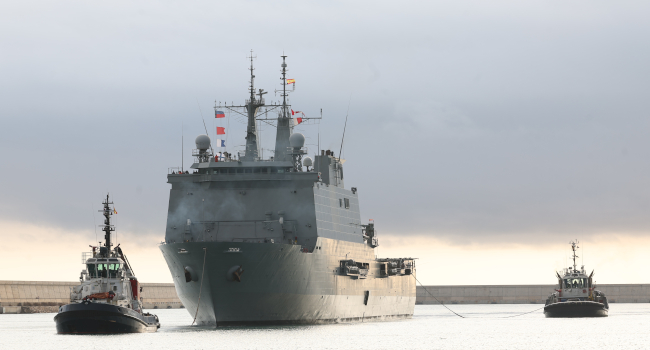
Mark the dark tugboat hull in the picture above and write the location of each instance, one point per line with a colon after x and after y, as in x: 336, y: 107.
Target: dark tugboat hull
x: 576, y: 309
x: 96, y: 318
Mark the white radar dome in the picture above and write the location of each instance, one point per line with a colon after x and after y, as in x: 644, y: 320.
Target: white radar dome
x: 307, y: 161
x: 297, y: 140
x: 202, y: 142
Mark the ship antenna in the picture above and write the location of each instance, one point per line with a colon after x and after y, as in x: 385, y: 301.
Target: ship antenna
x: 574, y: 245
x: 107, y: 226
x: 284, y: 86
x: 345, y: 126
x: 252, y: 87
x: 182, y: 146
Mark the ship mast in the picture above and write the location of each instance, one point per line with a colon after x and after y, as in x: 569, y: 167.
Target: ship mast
x: 284, y: 119
x: 108, y: 228
x: 574, y: 246
x: 252, y: 149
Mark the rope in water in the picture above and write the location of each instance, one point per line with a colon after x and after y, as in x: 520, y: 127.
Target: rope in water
x: 461, y: 316
x: 205, y: 252
x: 434, y: 297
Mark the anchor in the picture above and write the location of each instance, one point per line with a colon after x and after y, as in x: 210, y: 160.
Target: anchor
x: 237, y: 274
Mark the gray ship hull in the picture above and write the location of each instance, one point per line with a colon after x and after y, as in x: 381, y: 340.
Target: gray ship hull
x: 282, y: 284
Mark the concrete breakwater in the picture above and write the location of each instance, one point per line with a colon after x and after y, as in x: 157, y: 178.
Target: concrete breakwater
x: 33, y: 297
x: 523, y: 294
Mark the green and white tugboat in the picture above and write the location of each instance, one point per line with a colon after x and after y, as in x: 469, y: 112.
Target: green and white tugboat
x: 107, y: 300
x: 576, y: 295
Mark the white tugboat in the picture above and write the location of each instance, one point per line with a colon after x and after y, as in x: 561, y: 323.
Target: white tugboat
x: 576, y: 295
x: 107, y: 300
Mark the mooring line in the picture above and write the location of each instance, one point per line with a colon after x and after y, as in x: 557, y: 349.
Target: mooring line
x: 461, y: 316
x: 205, y: 252
x: 434, y: 297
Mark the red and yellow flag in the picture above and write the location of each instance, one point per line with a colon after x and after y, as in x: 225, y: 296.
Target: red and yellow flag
x: 291, y: 81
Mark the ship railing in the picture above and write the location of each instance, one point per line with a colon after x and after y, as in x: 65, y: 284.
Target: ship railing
x: 257, y: 100
x: 85, y: 256
x: 174, y: 170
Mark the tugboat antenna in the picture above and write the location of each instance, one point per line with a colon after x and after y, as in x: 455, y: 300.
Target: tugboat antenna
x: 107, y: 226
x: 574, y: 245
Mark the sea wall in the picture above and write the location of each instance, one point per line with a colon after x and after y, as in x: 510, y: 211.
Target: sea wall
x: 34, y: 296
x: 31, y: 296
x: 523, y: 294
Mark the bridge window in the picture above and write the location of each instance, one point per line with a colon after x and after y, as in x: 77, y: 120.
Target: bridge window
x: 112, y: 270
x: 347, y: 203
x: 92, y: 270
x: 101, y: 270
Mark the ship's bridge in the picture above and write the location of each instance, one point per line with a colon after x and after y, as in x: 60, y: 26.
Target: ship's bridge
x: 104, y: 267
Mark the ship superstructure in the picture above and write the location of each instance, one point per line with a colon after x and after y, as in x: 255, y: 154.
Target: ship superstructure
x: 107, y: 300
x: 576, y: 295
x: 277, y: 240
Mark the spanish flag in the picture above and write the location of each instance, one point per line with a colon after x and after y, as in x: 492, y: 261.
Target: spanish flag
x: 114, y: 211
x: 291, y: 81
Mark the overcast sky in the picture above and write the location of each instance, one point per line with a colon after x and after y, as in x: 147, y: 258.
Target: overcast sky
x: 470, y: 122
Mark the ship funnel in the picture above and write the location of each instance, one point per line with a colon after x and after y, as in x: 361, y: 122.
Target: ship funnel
x: 202, y: 142
x: 297, y: 140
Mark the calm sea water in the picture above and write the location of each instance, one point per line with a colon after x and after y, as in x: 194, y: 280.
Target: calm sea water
x: 432, y: 327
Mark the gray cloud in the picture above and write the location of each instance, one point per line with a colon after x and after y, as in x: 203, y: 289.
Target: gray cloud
x: 467, y: 120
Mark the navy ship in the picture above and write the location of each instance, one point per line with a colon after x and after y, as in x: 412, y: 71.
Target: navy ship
x: 107, y: 300
x: 278, y: 240
x: 576, y: 295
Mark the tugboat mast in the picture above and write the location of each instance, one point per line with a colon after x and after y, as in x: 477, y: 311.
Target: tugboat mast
x: 108, y: 228
x: 574, y: 246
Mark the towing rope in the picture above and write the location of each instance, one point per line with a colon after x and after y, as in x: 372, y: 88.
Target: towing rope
x: 205, y: 252
x: 441, y: 303
x: 434, y: 297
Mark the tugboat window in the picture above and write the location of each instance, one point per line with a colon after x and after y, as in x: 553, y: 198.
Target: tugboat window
x: 112, y: 270
x: 92, y: 270
x: 575, y: 283
x: 101, y: 270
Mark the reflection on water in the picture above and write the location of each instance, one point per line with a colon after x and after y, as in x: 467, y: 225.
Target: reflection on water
x: 432, y: 327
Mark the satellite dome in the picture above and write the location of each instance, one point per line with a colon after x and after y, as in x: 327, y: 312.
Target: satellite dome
x: 297, y: 140
x: 202, y: 142
x: 307, y: 161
